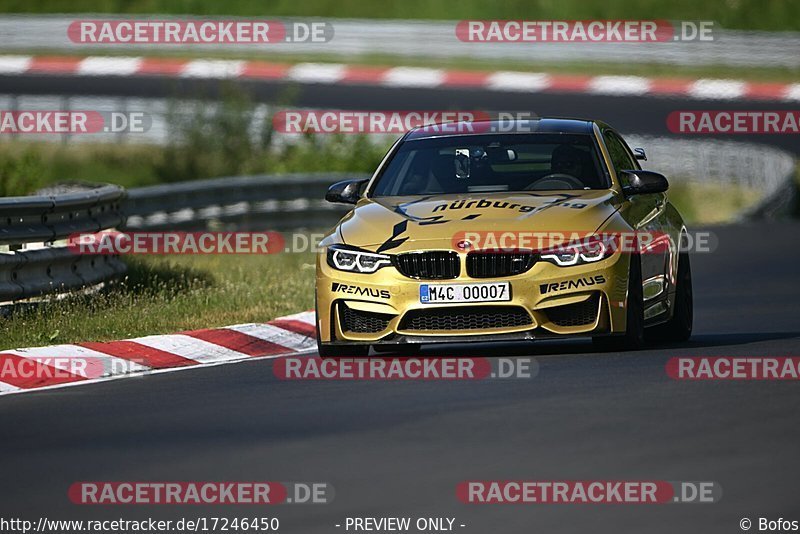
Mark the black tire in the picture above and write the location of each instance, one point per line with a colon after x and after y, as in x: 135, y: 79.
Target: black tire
x: 679, y: 327
x: 633, y: 338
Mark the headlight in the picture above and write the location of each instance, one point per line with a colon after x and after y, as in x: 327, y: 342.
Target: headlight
x: 357, y: 261
x: 589, y: 250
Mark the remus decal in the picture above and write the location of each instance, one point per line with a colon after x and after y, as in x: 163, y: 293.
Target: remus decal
x: 572, y: 284
x: 336, y: 287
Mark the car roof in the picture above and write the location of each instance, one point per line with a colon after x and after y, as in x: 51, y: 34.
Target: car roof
x: 516, y: 126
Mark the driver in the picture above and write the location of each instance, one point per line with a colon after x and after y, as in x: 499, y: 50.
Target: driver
x: 444, y: 173
x: 566, y: 159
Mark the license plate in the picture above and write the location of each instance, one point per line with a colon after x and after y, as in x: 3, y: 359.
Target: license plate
x: 438, y: 293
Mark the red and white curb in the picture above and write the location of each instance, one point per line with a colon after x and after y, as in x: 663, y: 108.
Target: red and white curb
x: 332, y: 73
x: 286, y: 336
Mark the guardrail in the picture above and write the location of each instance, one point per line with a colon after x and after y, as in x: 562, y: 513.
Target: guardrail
x: 279, y: 202
x: 754, y: 167
x: 33, y: 258
x: 432, y: 39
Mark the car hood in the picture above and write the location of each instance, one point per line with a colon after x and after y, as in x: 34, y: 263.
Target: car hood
x: 398, y: 224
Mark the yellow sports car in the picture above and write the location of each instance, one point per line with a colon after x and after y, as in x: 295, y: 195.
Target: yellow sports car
x: 489, y: 231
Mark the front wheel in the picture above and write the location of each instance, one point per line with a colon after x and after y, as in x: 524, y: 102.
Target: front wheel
x: 679, y: 327
x: 633, y: 338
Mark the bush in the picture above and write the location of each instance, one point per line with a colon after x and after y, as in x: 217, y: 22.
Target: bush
x: 235, y: 137
x: 21, y: 172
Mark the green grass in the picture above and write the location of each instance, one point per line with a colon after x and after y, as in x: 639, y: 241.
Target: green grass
x: 171, y: 294
x: 745, y: 14
x: 710, y: 204
x: 26, y: 166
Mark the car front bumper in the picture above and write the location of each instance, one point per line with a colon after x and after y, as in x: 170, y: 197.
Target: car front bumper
x: 547, y: 301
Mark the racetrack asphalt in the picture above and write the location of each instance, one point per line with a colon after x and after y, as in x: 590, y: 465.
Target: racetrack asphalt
x: 400, y: 448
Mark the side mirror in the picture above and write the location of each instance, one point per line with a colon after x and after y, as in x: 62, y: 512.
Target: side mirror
x: 640, y: 154
x: 643, y: 183
x: 345, y: 192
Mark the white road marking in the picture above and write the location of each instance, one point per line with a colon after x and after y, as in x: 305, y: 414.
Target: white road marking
x: 619, y: 85
x: 80, y: 360
x: 518, y: 81
x: 274, y: 334
x: 15, y: 64
x: 718, y: 89
x: 413, y: 77
x: 793, y: 92
x: 191, y: 348
x: 308, y: 317
x: 213, y: 68
x: 317, y: 72
x: 7, y: 388
x: 109, y: 66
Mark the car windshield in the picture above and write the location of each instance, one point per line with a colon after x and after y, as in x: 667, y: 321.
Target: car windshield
x: 492, y: 163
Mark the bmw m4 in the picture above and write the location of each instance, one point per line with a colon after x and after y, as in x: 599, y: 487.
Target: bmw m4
x: 548, y: 228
